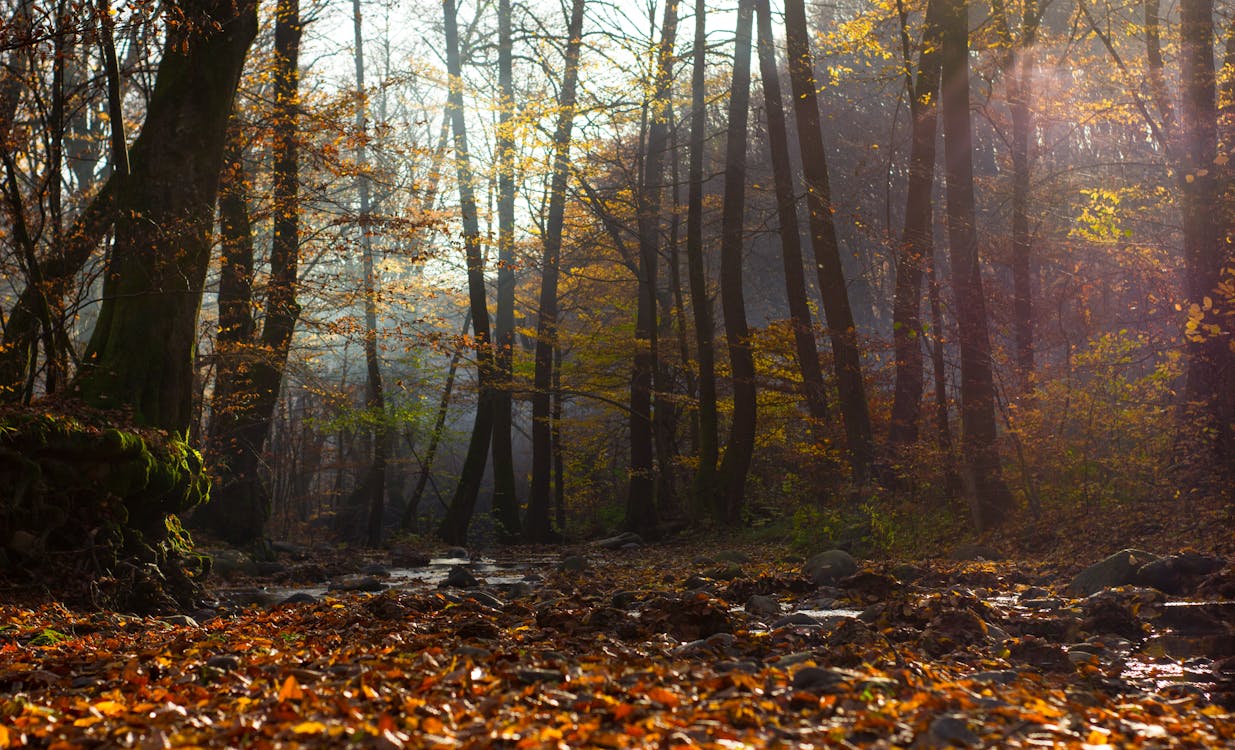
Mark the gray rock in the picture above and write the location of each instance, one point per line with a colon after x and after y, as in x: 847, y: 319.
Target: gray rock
x: 620, y: 541
x: 487, y: 599
x: 300, y: 597
x: 375, y: 570
x: 457, y: 553
x: 183, y: 621
x: 529, y: 676
x: 797, y: 618
x: 995, y: 676
x: 229, y: 563
x: 459, y: 577
x: 821, y: 679
x: 1120, y: 569
x: 951, y: 729
x: 726, y: 572
x: 733, y: 556
x: 224, y: 662
x: 356, y: 582
x: 829, y: 567
x: 702, y: 560
x: 475, y: 653
x: 573, y: 564
x: 624, y: 599
x: 759, y: 604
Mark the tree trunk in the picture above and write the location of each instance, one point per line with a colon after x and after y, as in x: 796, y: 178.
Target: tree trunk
x: 1211, y: 362
x: 1020, y: 91
x: 989, y: 495
x: 141, y: 352
x: 641, y: 498
x: 505, y: 498
x: 537, y: 526
x: 701, y: 303
x: 741, y: 446
x: 453, y: 529
x: 917, y: 243
x: 250, y: 371
x: 375, y: 398
x: 844, y: 335
x: 813, y: 389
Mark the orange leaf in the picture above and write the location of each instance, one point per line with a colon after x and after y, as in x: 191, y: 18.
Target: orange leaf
x: 622, y: 710
x: 664, y: 697
x: 291, y: 690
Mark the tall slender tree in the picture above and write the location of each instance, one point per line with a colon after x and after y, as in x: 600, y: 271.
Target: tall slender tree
x: 454, y: 526
x: 537, y: 526
x: 989, y: 496
x: 641, y: 500
x: 917, y: 242
x: 704, y: 487
x: 813, y: 389
x: 505, y: 499
x: 741, y: 445
x: 841, y: 328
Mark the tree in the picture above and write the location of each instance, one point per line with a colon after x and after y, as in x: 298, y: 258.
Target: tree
x: 641, y: 511
x: 917, y: 242
x: 537, y: 526
x: 844, y: 336
x: 140, y: 355
x: 453, y: 528
x: 505, y: 501
x: 741, y: 445
x: 700, y: 301
x: 989, y: 496
x: 813, y: 389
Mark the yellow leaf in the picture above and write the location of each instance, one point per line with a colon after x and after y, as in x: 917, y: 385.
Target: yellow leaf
x: 109, y: 708
x: 5, y: 739
x: 309, y: 727
x: 1189, y: 178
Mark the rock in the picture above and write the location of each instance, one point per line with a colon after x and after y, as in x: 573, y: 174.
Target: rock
x: 631, y: 545
x: 620, y: 541
x: 1178, y: 574
x: 183, y: 621
x: 624, y: 599
x: 475, y: 653
x: 1120, y: 569
x: 459, y: 577
x: 702, y: 560
x: 951, y: 730
x: 698, y: 583
x: 822, y: 679
x: 995, y: 677
x: 868, y: 586
x: 225, y: 662
x: 797, y: 619
x: 829, y: 567
x: 908, y: 573
x: 229, y: 563
x: 952, y: 629
x: 726, y: 572
x: 409, y: 558
x: 759, y: 604
x: 375, y: 569
x: 300, y: 597
x: 356, y: 582
x: 487, y: 599
x: 529, y: 676
x: 250, y: 597
x: 306, y: 572
x: 457, y: 553
x: 733, y: 556
x: 573, y: 564
x: 971, y: 552
x: 25, y: 544
x: 1039, y: 654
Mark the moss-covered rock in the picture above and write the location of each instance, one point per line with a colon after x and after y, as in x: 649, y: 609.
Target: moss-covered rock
x: 81, y: 488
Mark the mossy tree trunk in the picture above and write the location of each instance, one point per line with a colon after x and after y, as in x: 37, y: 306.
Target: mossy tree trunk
x: 140, y: 355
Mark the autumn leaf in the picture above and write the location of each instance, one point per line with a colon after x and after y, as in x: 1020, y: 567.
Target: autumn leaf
x: 291, y: 690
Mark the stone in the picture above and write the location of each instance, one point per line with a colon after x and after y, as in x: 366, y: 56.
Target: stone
x: 183, y: 621
x: 733, y: 556
x: 487, y: 599
x: 624, y: 599
x: 300, y: 597
x: 475, y: 653
x: 375, y: 569
x: 758, y: 605
x: 821, y: 679
x: 620, y: 541
x: 409, y: 558
x: 224, y: 662
x: 797, y: 619
x: 457, y: 553
x: 951, y: 729
x: 459, y: 577
x: 356, y: 582
x: 573, y: 564
x: 829, y: 567
x: 727, y: 572
x: 1178, y: 574
x: 530, y: 676
x: 1120, y: 569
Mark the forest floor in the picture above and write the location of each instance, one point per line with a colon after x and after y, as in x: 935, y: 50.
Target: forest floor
x: 705, y: 642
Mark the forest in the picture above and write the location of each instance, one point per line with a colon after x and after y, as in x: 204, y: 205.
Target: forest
x: 617, y: 373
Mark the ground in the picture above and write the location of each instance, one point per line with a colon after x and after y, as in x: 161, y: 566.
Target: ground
x: 703, y: 642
